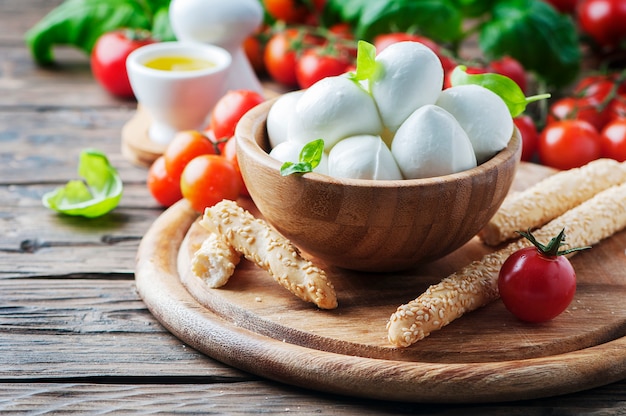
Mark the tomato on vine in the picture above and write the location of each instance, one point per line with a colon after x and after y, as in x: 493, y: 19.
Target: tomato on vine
x: 613, y: 140
x: 282, y: 52
x: 207, y: 180
x: 568, y: 144
x: 320, y: 62
x: 538, y: 283
x: 108, y: 59
x: 229, y: 110
x: 185, y: 146
x: 530, y: 136
x: 163, y: 188
x: 603, y: 21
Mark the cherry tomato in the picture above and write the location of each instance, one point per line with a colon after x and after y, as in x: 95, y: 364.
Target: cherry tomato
x: 568, y: 144
x: 230, y: 154
x: 510, y: 67
x: 185, y: 146
x: 254, y: 47
x: 282, y: 52
x: 108, y: 59
x: 207, y: 180
x: 536, y: 285
x: 617, y: 107
x: 164, y: 189
x: 318, y: 63
x: 530, y: 136
x: 603, y: 20
x: 384, y: 40
x: 613, y: 140
x: 585, y: 109
x: 294, y: 11
x: 229, y: 109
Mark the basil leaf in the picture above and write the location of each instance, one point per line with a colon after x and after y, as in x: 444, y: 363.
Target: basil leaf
x: 99, y: 193
x: 437, y: 19
x: 505, y: 87
x: 80, y: 23
x: 310, y: 157
x: 366, y: 65
x: 541, y: 39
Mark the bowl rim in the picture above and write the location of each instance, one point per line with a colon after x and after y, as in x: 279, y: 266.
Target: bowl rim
x: 253, y: 121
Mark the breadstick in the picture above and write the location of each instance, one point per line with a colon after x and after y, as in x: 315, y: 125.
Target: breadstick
x: 271, y: 251
x: 550, y: 198
x: 215, y: 261
x: 476, y: 284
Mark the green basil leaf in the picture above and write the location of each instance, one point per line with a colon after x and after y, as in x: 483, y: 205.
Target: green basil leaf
x: 505, y: 87
x: 80, y: 23
x: 310, y: 157
x: 437, y: 19
x: 541, y: 39
x: 99, y: 193
x: 366, y: 65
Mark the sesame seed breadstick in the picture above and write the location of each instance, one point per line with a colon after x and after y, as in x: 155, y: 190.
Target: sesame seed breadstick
x: 476, y: 284
x: 550, y: 198
x: 215, y: 261
x: 262, y: 245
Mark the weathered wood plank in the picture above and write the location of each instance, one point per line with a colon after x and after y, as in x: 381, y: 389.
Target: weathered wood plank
x: 249, y: 397
x: 97, y: 327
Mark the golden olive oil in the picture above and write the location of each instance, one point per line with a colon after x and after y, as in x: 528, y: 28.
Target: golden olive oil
x: 178, y: 63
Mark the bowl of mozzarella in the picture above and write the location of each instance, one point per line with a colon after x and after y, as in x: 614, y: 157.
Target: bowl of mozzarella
x: 409, y: 171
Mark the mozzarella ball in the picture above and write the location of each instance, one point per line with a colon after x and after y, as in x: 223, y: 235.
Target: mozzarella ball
x: 362, y: 157
x: 432, y: 143
x: 410, y: 76
x: 332, y: 109
x: 482, y: 114
x: 279, y: 115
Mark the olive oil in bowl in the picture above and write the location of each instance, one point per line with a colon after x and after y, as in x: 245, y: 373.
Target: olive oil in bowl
x: 178, y: 63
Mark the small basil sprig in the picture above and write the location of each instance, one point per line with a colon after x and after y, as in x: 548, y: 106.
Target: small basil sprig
x: 99, y: 192
x: 505, y: 87
x: 366, y: 65
x: 309, y: 159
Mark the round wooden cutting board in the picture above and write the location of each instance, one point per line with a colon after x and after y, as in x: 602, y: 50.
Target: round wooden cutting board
x: 254, y: 324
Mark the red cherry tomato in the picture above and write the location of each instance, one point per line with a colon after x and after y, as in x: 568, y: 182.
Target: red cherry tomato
x: 603, y: 20
x: 613, y: 140
x: 568, y: 144
x: 510, y: 67
x: 585, y: 109
x: 530, y: 136
x: 108, y: 59
x: 230, y: 154
x: 281, y: 54
x: 163, y: 188
x: 185, y: 146
x: 318, y: 63
x: 293, y: 11
x: 384, y: 40
x: 229, y: 109
x: 207, y: 180
x: 536, y: 287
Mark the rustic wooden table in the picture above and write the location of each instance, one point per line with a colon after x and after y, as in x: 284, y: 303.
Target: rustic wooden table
x: 74, y: 334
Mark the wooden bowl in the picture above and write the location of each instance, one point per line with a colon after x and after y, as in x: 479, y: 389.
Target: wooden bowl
x: 370, y: 225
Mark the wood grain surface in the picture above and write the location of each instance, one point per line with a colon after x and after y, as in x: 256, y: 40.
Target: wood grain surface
x: 75, y: 336
x: 484, y: 356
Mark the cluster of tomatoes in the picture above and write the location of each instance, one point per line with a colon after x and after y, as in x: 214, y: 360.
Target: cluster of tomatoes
x: 586, y: 125
x: 201, y: 166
